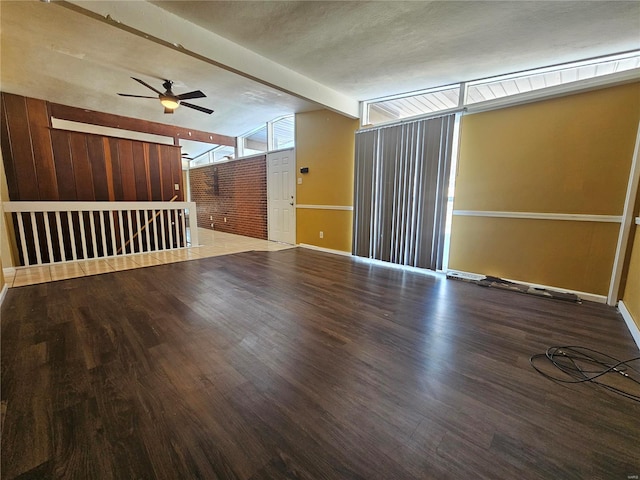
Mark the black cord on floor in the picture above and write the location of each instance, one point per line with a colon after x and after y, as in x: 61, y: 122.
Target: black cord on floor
x: 582, y: 364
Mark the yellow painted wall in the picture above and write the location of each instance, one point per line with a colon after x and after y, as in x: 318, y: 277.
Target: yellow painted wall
x: 631, y: 296
x: 565, y: 155
x: 338, y: 225
x: 572, y: 255
x: 325, y: 143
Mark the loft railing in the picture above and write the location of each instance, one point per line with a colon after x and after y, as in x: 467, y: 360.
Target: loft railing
x: 55, y: 232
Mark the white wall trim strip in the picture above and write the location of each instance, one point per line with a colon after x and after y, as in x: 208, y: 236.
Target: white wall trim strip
x: 69, y: 125
x: 93, y: 206
x: 631, y: 325
x: 575, y: 217
x: 3, y: 292
x: 591, y: 297
x: 326, y: 250
x: 325, y: 207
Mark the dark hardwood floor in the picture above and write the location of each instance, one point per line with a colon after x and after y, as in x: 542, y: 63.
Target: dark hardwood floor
x: 302, y: 365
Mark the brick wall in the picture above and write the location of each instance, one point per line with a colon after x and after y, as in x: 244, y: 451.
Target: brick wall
x: 235, y: 190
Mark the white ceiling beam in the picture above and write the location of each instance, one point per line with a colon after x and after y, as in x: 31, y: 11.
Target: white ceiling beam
x: 155, y: 24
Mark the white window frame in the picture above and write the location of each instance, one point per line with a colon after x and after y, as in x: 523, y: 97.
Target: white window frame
x: 590, y: 83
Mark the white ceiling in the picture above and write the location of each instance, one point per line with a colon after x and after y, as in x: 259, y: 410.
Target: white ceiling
x: 372, y: 49
x: 289, y: 56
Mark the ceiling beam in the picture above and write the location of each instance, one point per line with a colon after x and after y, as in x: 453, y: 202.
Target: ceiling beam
x: 155, y: 24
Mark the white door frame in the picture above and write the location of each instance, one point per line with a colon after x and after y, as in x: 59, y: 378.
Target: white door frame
x: 293, y: 189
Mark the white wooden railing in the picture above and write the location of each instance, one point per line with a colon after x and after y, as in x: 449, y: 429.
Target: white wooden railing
x: 71, y: 231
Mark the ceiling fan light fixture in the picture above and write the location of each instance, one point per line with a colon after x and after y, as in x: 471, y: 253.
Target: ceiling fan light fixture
x: 168, y: 99
x: 170, y: 103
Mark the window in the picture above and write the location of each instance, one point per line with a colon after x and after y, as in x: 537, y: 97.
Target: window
x: 200, y: 161
x: 283, y: 133
x: 412, y: 105
x: 254, y: 142
x: 449, y: 98
x: 506, y: 85
x: 217, y: 154
x: 223, y: 153
x: 277, y: 134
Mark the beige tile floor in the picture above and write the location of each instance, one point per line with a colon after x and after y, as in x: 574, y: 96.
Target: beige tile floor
x: 212, y: 244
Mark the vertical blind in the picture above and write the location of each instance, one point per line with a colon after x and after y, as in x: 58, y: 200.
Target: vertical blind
x: 401, y: 189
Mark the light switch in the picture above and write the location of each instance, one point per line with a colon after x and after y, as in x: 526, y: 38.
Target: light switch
x: 299, y: 180
x: 176, y: 186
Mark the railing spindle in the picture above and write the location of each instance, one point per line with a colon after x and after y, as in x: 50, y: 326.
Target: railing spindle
x: 155, y: 231
x: 47, y: 231
x: 184, y: 228
x: 92, y: 227
x: 63, y: 251
x: 23, y: 241
x: 164, y: 239
x: 36, y: 238
x: 83, y: 236
x: 138, y: 227
x: 104, y: 235
x: 146, y: 233
x: 122, y: 249
x: 112, y: 227
x: 72, y: 236
x: 130, y: 231
x: 170, y: 227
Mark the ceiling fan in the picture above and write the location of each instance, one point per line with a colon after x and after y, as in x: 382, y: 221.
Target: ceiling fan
x: 169, y: 100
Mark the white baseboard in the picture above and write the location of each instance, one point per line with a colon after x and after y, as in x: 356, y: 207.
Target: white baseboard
x: 326, y: 250
x: 591, y: 297
x: 3, y: 292
x: 631, y: 325
x: 9, y: 272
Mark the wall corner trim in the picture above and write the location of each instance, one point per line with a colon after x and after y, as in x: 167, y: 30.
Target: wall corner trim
x: 3, y: 292
x: 625, y: 226
x: 631, y: 325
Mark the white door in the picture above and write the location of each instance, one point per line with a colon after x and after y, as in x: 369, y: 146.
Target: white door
x: 281, y: 189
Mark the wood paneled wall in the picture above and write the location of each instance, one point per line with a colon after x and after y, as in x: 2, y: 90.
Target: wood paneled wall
x: 45, y: 164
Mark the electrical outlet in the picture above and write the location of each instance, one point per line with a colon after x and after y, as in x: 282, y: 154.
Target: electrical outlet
x: 176, y: 186
x: 210, y: 217
x: 321, y: 234
x: 225, y: 219
x: 212, y: 225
